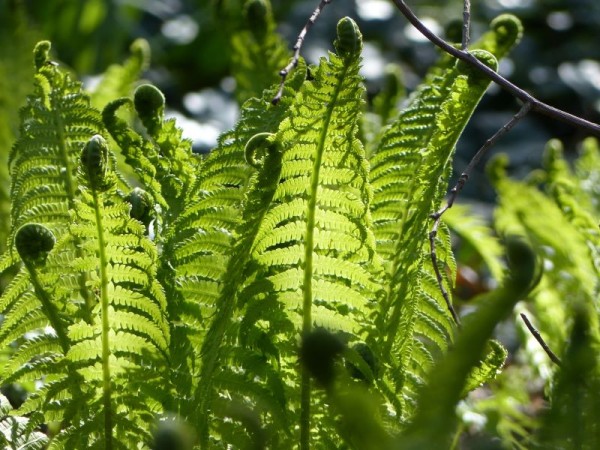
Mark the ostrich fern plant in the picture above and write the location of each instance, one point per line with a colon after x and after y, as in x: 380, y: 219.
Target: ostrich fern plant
x: 185, y: 288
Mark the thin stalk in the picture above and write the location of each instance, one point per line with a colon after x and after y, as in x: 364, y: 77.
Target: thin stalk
x: 297, y: 47
x: 538, y: 337
x: 466, y: 30
x: 106, y: 381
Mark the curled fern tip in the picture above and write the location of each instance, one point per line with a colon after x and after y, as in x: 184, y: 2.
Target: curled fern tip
x: 260, y: 141
x: 34, y: 242
x: 141, y: 205
x: 149, y: 103
x: 508, y: 28
x: 41, y: 54
x: 349, y: 38
x: 94, y: 162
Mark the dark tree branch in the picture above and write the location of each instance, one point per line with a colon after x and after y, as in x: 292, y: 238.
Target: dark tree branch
x: 535, y: 333
x: 464, y: 176
x: 536, y: 105
x: 297, y: 47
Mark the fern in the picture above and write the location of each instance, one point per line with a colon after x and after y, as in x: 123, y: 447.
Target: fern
x: 405, y: 179
x: 523, y: 209
x: 107, y: 312
x: 300, y: 272
x: 188, y: 295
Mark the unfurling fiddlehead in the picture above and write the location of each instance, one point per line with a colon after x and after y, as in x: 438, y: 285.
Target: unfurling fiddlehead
x: 149, y: 103
x: 95, y: 164
x: 257, y: 142
x: 142, y: 206
x: 33, y: 242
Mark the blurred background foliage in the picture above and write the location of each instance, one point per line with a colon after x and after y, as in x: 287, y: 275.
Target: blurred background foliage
x: 191, y: 56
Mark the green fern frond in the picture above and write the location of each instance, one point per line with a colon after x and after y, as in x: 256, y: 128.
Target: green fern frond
x: 163, y: 161
x: 55, y: 124
x: 408, y: 175
x: 446, y: 383
x: 128, y: 328
x: 576, y: 204
x: 259, y: 198
x: 524, y: 210
x: 313, y: 256
x: 201, y: 237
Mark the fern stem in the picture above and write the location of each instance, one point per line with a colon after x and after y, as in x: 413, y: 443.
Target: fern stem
x: 49, y: 309
x: 305, y: 392
x: 107, y: 388
x: 71, y: 192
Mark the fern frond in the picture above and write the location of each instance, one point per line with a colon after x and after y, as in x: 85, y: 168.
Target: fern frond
x: 446, y: 383
x: 128, y: 328
x: 524, y: 210
x: 314, y: 243
x: 408, y: 175
x: 200, y: 241
x: 55, y: 124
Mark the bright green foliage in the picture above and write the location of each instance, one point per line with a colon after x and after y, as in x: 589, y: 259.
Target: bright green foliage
x: 572, y: 421
x: 559, y: 219
x: 414, y: 154
x: 562, y: 231
x: 189, y: 294
x: 438, y: 401
x: 16, y: 432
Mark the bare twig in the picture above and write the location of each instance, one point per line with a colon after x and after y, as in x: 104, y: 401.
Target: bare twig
x: 466, y: 30
x: 535, y: 333
x: 464, y: 177
x: 297, y: 46
x: 462, y: 180
x: 536, y: 105
x: 438, y: 273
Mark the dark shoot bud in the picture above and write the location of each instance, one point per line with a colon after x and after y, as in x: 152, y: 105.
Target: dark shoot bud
x: 318, y: 351
x: 149, y: 103
x: 34, y: 242
x: 95, y: 162
x: 142, y: 206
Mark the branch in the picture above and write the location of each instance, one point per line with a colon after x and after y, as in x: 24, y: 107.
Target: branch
x: 535, y: 333
x: 536, y: 105
x: 297, y: 46
x: 466, y: 30
x: 464, y: 177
